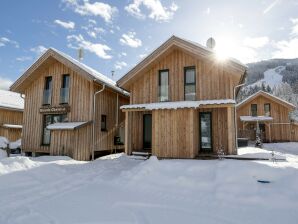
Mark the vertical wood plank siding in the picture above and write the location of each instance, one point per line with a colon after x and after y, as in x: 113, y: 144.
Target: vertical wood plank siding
x: 77, y: 143
x: 279, y: 113
x: 213, y: 80
x: 10, y: 117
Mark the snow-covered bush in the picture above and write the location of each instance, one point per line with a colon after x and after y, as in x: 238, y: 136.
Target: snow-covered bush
x: 3, y: 142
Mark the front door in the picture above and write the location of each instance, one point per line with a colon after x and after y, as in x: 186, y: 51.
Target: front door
x: 205, y: 131
x: 147, y: 131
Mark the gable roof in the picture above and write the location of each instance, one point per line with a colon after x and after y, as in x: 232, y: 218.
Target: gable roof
x: 51, y: 55
x: 187, y: 45
x: 267, y: 95
x: 11, y: 101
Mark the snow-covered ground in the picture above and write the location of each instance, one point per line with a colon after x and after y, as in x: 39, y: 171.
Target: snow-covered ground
x: 117, y: 189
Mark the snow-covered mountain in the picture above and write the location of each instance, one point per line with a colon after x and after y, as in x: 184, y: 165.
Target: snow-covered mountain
x: 277, y: 76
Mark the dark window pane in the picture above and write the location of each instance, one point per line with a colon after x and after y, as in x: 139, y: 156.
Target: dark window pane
x: 47, y: 93
x: 64, y: 91
x: 254, y: 110
x: 163, y: 85
x: 267, y: 109
x: 189, y: 84
x: 103, y: 122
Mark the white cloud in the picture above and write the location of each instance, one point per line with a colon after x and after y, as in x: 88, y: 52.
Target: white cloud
x: 4, y: 41
x: 77, y: 41
x: 92, y: 30
x: 142, y: 56
x: 207, y: 11
x: 286, y: 49
x: 106, y: 11
x: 269, y: 7
x: 24, y: 58
x: 120, y: 64
x: 157, y: 11
x: 67, y: 25
x: 295, y: 26
x: 5, y: 83
x: 129, y: 39
x: 256, y: 42
x: 38, y: 49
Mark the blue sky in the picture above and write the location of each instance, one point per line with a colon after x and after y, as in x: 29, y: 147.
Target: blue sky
x: 117, y: 34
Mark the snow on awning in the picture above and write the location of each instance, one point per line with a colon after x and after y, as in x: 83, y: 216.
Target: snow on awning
x: 13, y: 126
x: 177, y: 104
x: 255, y: 118
x: 67, y: 125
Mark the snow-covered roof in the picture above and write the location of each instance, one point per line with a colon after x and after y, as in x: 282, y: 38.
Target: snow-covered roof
x: 81, y: 68
x: 255, y: 118
x: 13, y: 126
x: 67, y: 125
x: 177, y: 104
x: 97, y: 75
x: 190, y: 46
x: 261, y: 92
x: 11, y: 100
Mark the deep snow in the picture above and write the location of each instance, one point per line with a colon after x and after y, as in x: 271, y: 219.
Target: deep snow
x: 117, y: 189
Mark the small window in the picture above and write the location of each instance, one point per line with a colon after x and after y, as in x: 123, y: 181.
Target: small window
x: 103, y: 122
x: 267, y: 109
x: 163, y: 82
x: 254, y: 110
x: 47, y: 93
x: 189, y: 83
x: 64, y: 91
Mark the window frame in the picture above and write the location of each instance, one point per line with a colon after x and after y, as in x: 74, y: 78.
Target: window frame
x: 190, y: 84
x: 105, y: 122
x: 63, y: 87
x: 251, y: 113
x: 45, y: 88
x: 265, y: 104
x: 159, y: 85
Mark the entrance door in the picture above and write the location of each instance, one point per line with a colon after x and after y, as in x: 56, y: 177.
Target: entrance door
x: 206, y: 131
x: 147, y: 131
x: 263, y: 132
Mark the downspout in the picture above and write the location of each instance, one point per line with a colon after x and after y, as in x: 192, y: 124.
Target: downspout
x: 117, y: 112
x: 235, y: 116
x: 94, y: 110
x: 23, y: 97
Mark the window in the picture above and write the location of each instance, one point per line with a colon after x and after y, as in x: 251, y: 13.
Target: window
x: 47, y: 93
x: 51, y: 119
x: 64, y: 91
x: 267, y: 109
x: 103, y: 122
x: 254, y: 110
x: 189, y: 83
x: 163, y: 83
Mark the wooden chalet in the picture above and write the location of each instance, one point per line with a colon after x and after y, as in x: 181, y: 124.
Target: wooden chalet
x: 11, y: 115
x: 70, y: 109
x: 271, y: 114
x: 181, y: 101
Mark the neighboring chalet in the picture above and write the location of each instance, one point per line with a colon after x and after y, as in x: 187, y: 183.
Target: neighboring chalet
x: 11, y: 115
x: 181, y: 101
x: 271, y: 114
x: 60, y: 117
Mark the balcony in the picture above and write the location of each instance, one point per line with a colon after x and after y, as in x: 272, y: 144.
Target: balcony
x: 64, y: 95
x: 47, y: 97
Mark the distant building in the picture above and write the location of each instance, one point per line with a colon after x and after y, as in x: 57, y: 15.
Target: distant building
x: 271, y: 114
x: 11, y: 115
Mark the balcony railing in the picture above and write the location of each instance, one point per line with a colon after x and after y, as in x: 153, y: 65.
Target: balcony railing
x: 64, y: 95
x: 47, y: 97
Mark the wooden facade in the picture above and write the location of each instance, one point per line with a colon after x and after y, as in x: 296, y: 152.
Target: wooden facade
x: 11, y: 115
x: 83, y: 84
x: 175, y: 132
x: 279, y: 129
